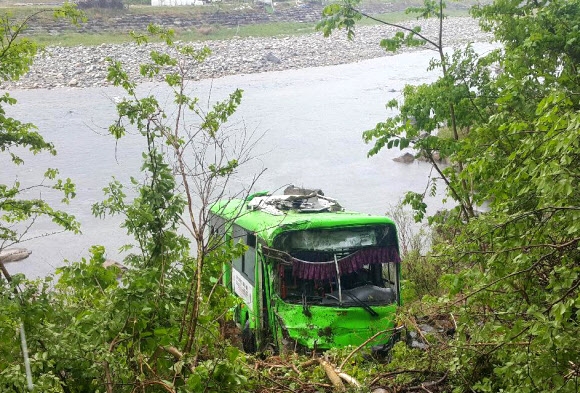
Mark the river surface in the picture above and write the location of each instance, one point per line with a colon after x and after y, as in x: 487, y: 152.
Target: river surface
x: 311, y: 121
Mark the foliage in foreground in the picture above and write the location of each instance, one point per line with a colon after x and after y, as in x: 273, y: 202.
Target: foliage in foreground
x: 18, y: 212
x: 22, y: 206
x: 162, y: 325
x: 512, y: 272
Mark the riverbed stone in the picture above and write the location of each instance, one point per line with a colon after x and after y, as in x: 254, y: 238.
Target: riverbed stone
x: 14, y: 254
x: 406, y: 158
x: 270, y: 57
x: 59, y: 66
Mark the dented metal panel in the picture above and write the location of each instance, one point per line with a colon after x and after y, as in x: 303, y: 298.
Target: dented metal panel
x: 327, y: 327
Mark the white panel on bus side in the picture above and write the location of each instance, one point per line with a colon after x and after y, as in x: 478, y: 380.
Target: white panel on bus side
x: 242, y: 288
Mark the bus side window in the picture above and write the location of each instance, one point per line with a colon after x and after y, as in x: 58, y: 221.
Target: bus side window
x: 250, y: 258
x: 216, y: 226
x: 245, y: 263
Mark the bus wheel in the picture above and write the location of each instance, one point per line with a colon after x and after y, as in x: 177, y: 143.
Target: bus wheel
x: 248, y: 339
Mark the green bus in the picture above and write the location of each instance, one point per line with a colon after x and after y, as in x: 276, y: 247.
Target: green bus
x: 313, y: 276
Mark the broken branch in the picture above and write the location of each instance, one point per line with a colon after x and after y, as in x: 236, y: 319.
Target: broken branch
x: 425, y: 386
x: 348, y: 379
x: 332, y: 375
x: 365, y: 343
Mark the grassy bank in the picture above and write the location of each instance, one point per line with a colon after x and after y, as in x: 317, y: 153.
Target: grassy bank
x: 203, y: 33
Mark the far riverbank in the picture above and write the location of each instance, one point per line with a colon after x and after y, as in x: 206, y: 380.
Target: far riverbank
x: 84, y: 66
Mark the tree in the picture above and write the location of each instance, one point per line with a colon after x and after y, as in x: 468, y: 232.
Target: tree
x: 17, y: 215
x: 206, y: 153
x: 427, y: 108
x: 161, y: 329
x: 174, y: 289
x: 512, y: 273
x: 524, y: 252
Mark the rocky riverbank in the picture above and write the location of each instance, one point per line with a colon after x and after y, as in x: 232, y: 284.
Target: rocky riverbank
x: 77, y: 67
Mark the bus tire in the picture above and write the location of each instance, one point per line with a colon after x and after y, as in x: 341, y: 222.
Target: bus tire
x: 248, y: 339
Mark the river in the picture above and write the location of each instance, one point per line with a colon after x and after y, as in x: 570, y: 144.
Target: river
x: 311, y: 120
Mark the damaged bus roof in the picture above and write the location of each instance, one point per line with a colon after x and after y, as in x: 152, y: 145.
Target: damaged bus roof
x: 269, y: 215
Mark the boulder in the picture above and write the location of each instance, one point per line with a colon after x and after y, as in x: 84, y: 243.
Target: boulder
x: 272, y: 58
x: 406, y: 158
x: 112, y: 263
x: 14, y: 254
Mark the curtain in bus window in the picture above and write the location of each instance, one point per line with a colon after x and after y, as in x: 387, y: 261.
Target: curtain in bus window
x: 349, y: 264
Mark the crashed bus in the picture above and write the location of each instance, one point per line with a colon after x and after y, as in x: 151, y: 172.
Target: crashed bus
x: 313, y: 275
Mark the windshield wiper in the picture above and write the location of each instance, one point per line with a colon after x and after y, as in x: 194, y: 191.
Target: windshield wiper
x: 364, y: 305
x: 305, y: 306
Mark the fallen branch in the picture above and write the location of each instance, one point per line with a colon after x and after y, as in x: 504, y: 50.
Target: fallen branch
x: 332, y: 375
x: 309, y: 363
x: 348, y: 379
x: 395, y: 373
x: 295, y: 369
x: 426, y: 386
x: 393, y: 330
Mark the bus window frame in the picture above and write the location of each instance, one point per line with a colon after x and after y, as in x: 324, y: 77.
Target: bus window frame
x: 246, y: 263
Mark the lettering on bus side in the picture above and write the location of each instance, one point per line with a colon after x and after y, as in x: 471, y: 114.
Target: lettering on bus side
x: 242, y: 288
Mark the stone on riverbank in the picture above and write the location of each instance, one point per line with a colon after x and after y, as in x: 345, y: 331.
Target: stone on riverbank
x: 81, y: 66
x: 406, y: 158
x: 14, y: 254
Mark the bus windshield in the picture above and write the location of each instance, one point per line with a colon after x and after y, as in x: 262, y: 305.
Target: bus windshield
x: 344, y: 266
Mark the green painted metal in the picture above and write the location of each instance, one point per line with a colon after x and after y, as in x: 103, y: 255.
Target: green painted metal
x: 327, y: 327
x: 268, y: 226
x: 313, y: 326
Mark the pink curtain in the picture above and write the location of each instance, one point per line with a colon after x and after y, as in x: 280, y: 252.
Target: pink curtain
x: 307, y: 270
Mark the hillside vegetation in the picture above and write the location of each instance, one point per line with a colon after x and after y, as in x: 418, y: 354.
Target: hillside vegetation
x: 500, y: 288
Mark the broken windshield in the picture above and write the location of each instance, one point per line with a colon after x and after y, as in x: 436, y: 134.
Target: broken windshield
x: 332, y: 240
x: 322, y: 265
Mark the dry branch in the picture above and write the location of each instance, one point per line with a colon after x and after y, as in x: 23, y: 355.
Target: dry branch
x: 332, y: 375
x: 309, y: 363
x: 395, y: 373
x: 366, y: 342
x: 425, y: 386
x: 348, y: 379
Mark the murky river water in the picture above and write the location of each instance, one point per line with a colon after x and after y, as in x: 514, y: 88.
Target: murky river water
x: 312, y: 120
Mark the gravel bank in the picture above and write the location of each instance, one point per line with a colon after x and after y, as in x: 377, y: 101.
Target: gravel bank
x: 77, y: 67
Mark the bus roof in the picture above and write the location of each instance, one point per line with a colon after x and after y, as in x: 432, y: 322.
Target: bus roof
x: 269, y: 223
